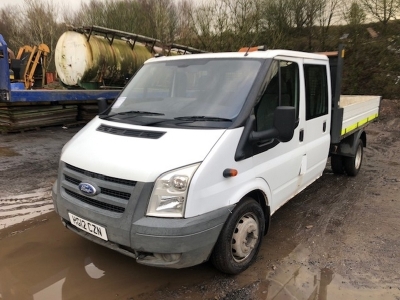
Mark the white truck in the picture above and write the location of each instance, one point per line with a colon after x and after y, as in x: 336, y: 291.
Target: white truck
x: 198, y: 151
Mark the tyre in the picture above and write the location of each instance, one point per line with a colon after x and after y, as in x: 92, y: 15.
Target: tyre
x: 240, y: 239
x: 352, y: 165
x: 337, y: 164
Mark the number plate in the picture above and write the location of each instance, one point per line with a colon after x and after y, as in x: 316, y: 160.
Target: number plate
x: 89, y: 227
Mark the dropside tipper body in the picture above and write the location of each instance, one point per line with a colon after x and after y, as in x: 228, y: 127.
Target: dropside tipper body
x: 358, y: 111
x: 350, y: 114
x: 196, y: 154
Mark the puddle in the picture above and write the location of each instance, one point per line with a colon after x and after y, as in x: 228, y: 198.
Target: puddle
x: 50, y: 262
x: 295, y: 279
x: 18, y: 208
x: 7, y: 152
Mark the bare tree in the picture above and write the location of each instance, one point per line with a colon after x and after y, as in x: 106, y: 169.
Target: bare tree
x: 327, y: 10
x: 382, y: 10
x: 277, y: 22
x: 312, y: 8
x: 184, y: 32
x: 353, y: 13
x: 298, y: 12
x: 9, y: 26
x: 243, y: 21
x: 91, y: 13
x: 36, y: 23
x: 202, y: 18
x: 354, y: 16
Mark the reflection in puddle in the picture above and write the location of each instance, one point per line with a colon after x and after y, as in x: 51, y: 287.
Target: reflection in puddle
x: 53, y: 291
x: 50, y: 288
x: 296, y: 279
x: 293, y: 280
x: 93, y: 271
x: 48, y: 263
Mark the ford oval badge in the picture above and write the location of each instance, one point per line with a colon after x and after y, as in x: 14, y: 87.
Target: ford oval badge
x: 87, y: 189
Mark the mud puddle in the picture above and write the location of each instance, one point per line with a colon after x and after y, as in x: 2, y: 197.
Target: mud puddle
x: 42, y: 260
x: 18, y: 208
x: 295, y: 278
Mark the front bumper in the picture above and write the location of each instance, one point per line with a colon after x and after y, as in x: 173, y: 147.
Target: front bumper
x: 176, y: 243
x: 161, y: 242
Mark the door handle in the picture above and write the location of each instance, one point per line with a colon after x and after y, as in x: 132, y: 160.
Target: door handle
x: 301, y: 135
x: 324, y: 127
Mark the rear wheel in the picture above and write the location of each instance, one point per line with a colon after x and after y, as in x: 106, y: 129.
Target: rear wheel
x: 352, y: 165
x: 240, y: 238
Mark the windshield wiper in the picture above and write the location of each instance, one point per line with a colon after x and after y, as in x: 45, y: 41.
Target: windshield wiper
x: 202, y: 118
x: 135, y: 112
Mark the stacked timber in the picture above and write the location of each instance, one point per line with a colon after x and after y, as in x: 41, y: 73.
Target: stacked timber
x: 16, y: 117
x: 87, y: 112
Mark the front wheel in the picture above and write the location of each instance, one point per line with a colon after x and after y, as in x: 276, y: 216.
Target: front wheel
x: 240, y: 238
x: 352, y: 165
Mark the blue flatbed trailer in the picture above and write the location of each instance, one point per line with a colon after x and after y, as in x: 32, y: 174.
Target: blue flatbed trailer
x: 22, y: 109
x: 14, y: 92
x: 61, y: 96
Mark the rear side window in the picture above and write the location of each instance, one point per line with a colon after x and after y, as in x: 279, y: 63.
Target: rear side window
x: 316, y: 91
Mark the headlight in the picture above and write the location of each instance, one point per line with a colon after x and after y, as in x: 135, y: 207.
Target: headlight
x: 168, y: 198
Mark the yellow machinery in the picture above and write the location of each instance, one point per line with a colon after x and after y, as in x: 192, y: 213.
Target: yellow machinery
x: 30, y: 58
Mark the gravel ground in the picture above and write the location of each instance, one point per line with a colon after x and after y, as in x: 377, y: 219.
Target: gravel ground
x: 339, y: 238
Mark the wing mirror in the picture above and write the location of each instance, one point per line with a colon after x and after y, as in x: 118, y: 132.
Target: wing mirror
x: 283, y: 129
x: 102, y: 105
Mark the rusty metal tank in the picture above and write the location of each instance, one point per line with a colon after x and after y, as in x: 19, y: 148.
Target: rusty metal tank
x: 96, y: 61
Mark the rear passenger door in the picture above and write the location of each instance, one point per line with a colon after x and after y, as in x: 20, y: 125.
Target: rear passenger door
x: 317, y: 115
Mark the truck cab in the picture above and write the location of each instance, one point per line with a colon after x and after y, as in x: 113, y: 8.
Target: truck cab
x: 195, y: 155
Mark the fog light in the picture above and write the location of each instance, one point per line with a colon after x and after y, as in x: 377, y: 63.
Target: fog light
x: 168, y: 257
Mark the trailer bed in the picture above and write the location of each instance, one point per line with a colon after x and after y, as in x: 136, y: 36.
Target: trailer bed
x: 358, y: 111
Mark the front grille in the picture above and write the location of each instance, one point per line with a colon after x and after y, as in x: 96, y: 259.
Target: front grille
x: 72, y: 180
x: 95, y: 203
x: 131, y: 132
x: 109, y: 192
x: 113, y: 193
x: 101, y: 177
x: 116, y: 194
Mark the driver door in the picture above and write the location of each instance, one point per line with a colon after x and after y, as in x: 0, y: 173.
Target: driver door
x: 280, y: 164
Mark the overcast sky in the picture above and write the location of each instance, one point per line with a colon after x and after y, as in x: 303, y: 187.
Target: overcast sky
x: 72, y: 4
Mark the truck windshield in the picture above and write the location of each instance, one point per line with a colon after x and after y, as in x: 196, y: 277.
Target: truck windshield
x: 201, y: 91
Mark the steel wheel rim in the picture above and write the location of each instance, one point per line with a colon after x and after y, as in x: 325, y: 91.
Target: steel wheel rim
x: 358, y: 157
x: 245, y: 237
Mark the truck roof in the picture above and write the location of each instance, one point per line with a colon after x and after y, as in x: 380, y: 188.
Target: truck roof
x: 254, y: 54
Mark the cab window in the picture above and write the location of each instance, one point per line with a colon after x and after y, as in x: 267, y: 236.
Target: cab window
x: 316, y: 91
x: 282, y: 90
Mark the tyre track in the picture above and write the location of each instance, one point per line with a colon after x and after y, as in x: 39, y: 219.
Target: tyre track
x: 18, y: 208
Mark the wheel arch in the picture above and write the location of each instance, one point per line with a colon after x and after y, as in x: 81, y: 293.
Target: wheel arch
x: 348, y: 145
x: 260, y: 197
x: 363, y: 137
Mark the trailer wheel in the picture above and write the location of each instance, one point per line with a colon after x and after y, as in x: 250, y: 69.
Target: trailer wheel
x: 337, y: 164
x: 353, y: 164
x: 240, y: 238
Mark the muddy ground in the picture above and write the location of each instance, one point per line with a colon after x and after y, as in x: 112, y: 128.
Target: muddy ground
x: 338, y: 239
